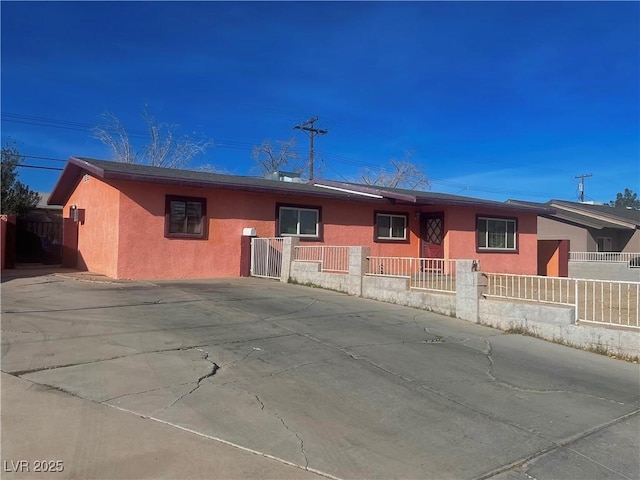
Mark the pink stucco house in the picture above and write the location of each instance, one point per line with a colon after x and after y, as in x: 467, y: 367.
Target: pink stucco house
x: 134, y: 221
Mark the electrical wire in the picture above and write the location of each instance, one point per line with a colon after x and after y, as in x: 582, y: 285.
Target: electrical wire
x: 22, y: 165
x: 248, y: 146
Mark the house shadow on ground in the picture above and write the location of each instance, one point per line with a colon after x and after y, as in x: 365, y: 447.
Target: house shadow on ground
x: 33, y: 270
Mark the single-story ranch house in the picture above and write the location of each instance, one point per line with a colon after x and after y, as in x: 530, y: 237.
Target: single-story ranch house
x: 132, y: 221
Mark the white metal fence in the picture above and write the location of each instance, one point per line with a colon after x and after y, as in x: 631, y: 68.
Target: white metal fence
x: 633, y: 259
x: 425, y: 273
x: 530, y: 287
x: 266, y: 257
x: 596, y: 301
x: 609, y: 303
x: 331, y: 258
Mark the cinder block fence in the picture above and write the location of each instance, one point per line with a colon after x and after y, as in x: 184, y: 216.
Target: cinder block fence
x: 455, y: 288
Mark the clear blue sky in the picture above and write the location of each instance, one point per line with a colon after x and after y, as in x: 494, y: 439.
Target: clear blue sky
x: 497, y: 100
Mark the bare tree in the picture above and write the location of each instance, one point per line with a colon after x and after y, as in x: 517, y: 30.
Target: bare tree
x: 270, y: 158
x: 164, y: 148
x: 400, y: 174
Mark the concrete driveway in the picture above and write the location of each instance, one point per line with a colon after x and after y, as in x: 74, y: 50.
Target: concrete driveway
x: 249, y: 378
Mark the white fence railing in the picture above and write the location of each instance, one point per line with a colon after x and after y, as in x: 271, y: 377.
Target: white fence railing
x: 633, y: 259
x: 609, y: 303
x: 595, y: 301
x: 425, y: 273
x: 331, y: 258
x: 530, y: 287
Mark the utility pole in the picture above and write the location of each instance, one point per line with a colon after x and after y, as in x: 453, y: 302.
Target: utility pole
x: 310, y: 130
x: 581, y: 186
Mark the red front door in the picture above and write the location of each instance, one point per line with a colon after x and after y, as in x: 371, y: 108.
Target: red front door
x: 432, y: 235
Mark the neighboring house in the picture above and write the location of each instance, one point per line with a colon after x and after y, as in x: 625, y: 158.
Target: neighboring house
x: 43, y: 207
x: 589, y: 228
x: 593, y: 228
x: 579, y: 228
x: 135, y: 221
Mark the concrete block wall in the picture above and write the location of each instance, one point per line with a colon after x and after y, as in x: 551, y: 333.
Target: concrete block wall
x: 548, y: 321
x: 309, y: 273
x: 557, y: 323
x: 619, y: 272
x: 469, y: 285
x: 397, y: 290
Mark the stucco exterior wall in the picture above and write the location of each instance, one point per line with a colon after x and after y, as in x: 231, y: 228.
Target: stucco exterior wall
x: 141, y: 229
x: 583, y: 239
x: 460, y: 241
x: 353, y: 224
x: 145, y: 252
x: 553, y: 230
x: 3, y: 238
x: 123, y: 234
x: 633, y: 246
x: 99, y: 204
x: 4, y: 219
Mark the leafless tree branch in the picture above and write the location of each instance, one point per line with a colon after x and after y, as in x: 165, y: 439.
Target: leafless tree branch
x: 164, y: 148
x: 270, y: 158
x: 400, y: 174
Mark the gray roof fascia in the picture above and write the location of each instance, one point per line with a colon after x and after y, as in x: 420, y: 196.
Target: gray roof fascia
x: 603, y: 217
x: 582, y: 220
x: 106, y: 170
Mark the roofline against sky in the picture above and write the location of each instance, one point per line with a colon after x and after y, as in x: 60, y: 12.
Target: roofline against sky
x: 603, y: 216
x: 337, y: 190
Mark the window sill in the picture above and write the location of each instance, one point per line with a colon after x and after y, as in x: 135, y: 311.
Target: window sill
x: 391, y: 240
x: 497, y: 250
x: 185, y: 236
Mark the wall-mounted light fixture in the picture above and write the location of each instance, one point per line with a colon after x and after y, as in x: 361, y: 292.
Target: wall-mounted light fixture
x: 74, y: 212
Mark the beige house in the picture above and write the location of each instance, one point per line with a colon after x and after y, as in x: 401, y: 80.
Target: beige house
x: 592, y: 228
x: 585, y: 232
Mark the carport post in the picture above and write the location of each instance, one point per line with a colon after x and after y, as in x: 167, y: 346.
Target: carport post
x: 288, y: 246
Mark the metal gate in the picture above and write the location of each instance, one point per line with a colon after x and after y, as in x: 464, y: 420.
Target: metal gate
x: 266, y: 257
x: 39, y: 239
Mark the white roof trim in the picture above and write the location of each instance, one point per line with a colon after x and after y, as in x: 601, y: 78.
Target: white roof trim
x: 346, y: 190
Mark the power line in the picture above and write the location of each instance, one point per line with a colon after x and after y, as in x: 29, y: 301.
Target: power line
x: 247, y: 146
x: 22, y: 165
x: 44, y: 158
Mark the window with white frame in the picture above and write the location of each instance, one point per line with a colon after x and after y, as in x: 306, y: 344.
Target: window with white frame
x: 497, y: 233
x: 391, y: 226
x: 299, y: 222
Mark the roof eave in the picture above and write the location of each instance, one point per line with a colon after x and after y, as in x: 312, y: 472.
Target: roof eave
x: 112, y: 175
x: 69, y: 178
x: 614, y: 219
x: 365, y: 189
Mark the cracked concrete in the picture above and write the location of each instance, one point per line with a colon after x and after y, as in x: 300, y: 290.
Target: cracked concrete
x: 214, y: 369
x: 322, y: 382
x: 304, y: 454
